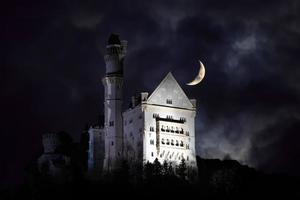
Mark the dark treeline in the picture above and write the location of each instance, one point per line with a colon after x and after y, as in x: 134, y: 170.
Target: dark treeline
x: 215, y: 179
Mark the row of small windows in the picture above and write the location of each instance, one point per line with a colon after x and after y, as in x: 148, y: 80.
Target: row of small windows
x: 172, y: 142
x: 171, y: 130
x: 183, y: 119
x: 172, y: 156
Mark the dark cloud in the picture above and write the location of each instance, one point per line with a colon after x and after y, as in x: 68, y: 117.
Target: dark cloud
x: 52, y: 64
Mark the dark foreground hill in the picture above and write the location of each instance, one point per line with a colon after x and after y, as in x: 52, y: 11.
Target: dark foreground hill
x: 225, y: 179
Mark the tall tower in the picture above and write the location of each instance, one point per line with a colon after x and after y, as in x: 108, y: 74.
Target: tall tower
x: 113, y: 98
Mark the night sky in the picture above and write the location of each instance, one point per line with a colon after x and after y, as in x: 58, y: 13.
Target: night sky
x: 248, y: 103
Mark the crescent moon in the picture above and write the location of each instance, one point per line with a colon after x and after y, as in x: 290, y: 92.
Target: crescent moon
x: 199, y: 76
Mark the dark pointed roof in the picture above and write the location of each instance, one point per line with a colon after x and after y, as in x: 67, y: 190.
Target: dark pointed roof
x: 114, y: 39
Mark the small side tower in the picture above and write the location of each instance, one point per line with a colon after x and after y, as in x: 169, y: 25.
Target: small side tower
x: 113, y: 99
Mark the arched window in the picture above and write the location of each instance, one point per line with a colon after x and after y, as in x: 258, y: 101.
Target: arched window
x: 172, y: 129
x: 177, y: 144
x: 181, y: 143
x: 163, y: 141
x: 181, y: 131
x: 172, y: 142
x: 168, y: 142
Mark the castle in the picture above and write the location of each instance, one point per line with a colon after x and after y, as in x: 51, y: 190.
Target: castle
x: 157, y: 126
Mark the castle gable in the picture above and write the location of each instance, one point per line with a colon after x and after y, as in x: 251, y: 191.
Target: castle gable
x: 169, y: 93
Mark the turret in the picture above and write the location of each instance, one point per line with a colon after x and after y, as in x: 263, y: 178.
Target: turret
x: 113, y: 99
x: 115, y: 54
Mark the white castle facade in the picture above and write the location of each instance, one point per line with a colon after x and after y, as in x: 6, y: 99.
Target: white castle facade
x: 156, y: 126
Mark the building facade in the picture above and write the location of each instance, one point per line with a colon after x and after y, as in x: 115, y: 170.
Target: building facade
x: 157, y: 126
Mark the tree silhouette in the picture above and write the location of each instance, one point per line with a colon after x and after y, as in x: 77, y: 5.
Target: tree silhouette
x: 148, y: 170
x: 157, y: 168
x: 181, y: 170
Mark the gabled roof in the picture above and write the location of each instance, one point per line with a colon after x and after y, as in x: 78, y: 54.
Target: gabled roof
x: 169, y: 89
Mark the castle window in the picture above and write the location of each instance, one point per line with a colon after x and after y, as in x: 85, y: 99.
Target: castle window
x: 168, y: 130
x: 181, y: 131
x: 152, y: 154
x: 155, y: 115
x: 172, y: 129
x: 163, y: 141
x: 177, y: 144
x: 168, y: 142
x: 152, y: 128
x: 183, y: 119
x: 162, y: 128
x: 111, y: 123
x: 169, y: 101
x: 152, y: 142
x: 172, y: 142
x: 177, y: 130
x: 169, y: 117
x: 181, y: 143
